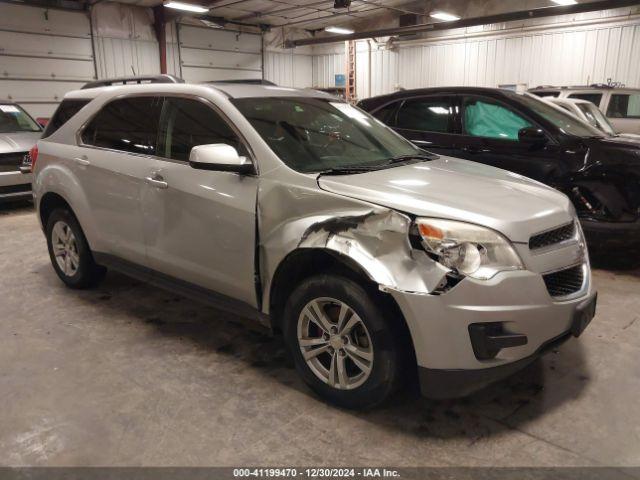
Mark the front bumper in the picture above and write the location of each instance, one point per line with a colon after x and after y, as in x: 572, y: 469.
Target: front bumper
x: 15, y: 185
x: 518, y: 301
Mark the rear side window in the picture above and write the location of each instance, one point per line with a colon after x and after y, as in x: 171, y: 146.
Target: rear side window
x: 127, y: 124
x: 433, y: 114
x: 187, y: 123
x: 624, y: 106
x: 483, y: 118
x: 64, y: 112
x: 589, y: 97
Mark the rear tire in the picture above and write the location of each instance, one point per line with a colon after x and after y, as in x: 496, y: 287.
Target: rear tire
x: 69, y: 251
x: 342, y: 345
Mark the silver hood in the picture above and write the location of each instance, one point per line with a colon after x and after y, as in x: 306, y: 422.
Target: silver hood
x: 18, y: 141
x: 451, y: 188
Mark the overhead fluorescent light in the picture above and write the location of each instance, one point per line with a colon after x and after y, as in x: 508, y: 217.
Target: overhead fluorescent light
x: 444, y: 16
x: 339, y: 30
x: 187, y: 7
x: 564, y: 2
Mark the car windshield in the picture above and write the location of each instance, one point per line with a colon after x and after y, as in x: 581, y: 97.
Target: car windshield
x: 566, y: 122
x: 596, y: 117
x: 14, y: 119
x: 316, y: 135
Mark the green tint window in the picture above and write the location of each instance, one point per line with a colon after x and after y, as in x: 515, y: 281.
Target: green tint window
x: 427, y: 115
x: 315, y: 134
x: 491, y: 120
x: 624, y: 106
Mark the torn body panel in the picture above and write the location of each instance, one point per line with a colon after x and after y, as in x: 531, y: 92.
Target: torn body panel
x: 375, y: 238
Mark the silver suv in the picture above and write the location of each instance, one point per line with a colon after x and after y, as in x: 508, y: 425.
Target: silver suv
x: 18, y: 134
x: 370, y: 255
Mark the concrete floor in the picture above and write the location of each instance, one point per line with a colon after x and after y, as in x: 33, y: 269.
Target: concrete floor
x: 131, y: 375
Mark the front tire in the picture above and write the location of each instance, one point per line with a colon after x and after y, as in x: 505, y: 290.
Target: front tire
x: 69, y: 251
x: 342, y: 345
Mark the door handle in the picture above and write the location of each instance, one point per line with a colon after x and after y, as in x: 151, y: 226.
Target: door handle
x: 473, y: 149
x: 82, y: 160
x: 157, y: 181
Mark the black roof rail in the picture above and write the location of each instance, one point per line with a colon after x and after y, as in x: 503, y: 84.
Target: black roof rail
x: 248, y: 81
x: 132, y: 80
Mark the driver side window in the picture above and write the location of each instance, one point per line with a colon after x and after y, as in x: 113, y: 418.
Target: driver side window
x: 186, y: 123
x: 488, y: 119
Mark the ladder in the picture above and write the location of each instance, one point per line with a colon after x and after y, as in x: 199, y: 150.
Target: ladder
x: 350, y: 80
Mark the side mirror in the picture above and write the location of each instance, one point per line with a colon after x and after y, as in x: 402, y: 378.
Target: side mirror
x: 532, y: 136
x: 219, y: 157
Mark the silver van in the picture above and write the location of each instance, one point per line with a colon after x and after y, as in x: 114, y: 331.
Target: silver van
x: 379, y: 262
x: 620, y: 105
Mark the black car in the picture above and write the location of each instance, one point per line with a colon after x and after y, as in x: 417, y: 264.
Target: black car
x: 526, y: 135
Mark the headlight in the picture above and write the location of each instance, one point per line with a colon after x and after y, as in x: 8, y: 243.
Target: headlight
x: 470, y: 250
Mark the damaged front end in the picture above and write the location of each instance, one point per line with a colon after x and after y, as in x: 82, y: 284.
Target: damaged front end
x: 606, y: 195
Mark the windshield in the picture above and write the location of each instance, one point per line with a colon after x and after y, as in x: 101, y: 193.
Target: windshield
x: 314, y: 135
x: 596, y: 117
x: 566, y: 122
x: 14, y: 119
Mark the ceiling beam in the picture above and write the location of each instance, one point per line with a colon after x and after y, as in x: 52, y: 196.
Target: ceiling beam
x: 469, y: 22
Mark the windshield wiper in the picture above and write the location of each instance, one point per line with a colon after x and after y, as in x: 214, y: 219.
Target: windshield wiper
x: 407, y: 158
x: 348, y: 170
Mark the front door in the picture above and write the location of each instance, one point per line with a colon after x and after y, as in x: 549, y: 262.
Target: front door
x: 200, y: 225
x: 490, y: 131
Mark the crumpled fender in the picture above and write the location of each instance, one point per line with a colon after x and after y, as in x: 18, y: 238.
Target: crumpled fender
x: 375, y: 238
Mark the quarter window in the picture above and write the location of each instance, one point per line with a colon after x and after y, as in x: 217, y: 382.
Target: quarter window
x: 66, y: 110
x: 127, y: 124
x: 624, y: 106
x: 491, y: 120
x: 187, y: 123
x: 427, y: 114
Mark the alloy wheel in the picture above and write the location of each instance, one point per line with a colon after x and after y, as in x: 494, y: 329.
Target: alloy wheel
x: 335, y: 343
x: 65, y: 248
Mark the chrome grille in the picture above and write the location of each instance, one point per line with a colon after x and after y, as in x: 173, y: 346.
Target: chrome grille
x: 564, y: 282
x: 552, y: 237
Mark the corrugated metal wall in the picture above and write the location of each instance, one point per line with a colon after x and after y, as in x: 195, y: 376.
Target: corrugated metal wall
x: 544, y: 55
x: 43, y: 53
x: 325, y: 67
x: 288, y: 69
x: 569, y: 57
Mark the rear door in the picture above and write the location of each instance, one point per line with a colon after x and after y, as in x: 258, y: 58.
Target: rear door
x: 490, y: 135
x: 111, y: 162
x: 200, y: 225
x: 430, y: 122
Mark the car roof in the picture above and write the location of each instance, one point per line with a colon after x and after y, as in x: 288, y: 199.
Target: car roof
x: 230, y: 89
x: 440, y: 90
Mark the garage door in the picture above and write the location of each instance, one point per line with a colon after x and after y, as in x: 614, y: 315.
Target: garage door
x: 44, y: 53
x: 215, y: 54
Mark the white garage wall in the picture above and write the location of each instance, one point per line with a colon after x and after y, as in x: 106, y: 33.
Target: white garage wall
x: 288, y: 68
x: 43, y: 54
x: 590, y: 51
